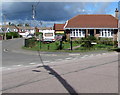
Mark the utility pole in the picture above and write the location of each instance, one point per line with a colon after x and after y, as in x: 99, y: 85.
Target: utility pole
x: 71, y: 43
x: 33, y: 16
x: 119, y: 34
x: 5, y: 26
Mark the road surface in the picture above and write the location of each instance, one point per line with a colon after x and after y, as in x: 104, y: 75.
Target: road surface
x: 13, y: 56
x: 24, y: 72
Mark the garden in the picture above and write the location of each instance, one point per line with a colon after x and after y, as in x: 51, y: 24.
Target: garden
x: 89, y: 43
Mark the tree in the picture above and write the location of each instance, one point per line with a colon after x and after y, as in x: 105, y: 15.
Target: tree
x: 27, y: 25
x: 9, y: 23
x: 19, y: 25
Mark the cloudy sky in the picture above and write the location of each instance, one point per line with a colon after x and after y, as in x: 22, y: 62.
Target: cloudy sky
x: 53, y: 12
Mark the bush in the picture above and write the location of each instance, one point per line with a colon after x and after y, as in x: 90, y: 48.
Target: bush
x: 106, y: 41
x: 59, y: 45
x: 86, y: 42
x: 31, y: 42
x: 11, y: 35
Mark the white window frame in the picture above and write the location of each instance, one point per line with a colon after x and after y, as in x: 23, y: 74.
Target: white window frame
x: 104, y: 33
x: 76, y: 33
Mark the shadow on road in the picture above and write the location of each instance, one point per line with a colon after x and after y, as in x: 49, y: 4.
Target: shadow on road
x: 66, y: 85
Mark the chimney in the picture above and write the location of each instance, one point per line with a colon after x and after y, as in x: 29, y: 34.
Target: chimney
x: 116, y: 13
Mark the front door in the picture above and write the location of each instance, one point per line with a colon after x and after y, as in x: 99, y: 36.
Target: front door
x: 91, y: 32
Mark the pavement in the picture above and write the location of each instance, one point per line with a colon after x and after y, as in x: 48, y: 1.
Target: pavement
x: 27, y: 72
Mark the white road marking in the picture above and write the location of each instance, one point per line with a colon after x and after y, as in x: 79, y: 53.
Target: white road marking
x: 91, y: 55
x: 46, y: 61
x: 98, y: 54
x: 32, y: 63
x: 84, y: 56
x: 19, y: 65
x: 74, y: 54
x: 59, y: 59
x: 53, y: 55
x: 68, y: 58
x: 103, y: 53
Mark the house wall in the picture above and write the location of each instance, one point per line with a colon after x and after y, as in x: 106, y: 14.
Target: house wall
x: 67, y: 34
x: 96, y: 32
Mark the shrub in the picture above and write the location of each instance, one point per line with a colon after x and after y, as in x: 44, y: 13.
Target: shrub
x: 30, y: 42
x: 59, y: 45
x: 106, y: 41
x: 11, y: 35
x: 86, y: 42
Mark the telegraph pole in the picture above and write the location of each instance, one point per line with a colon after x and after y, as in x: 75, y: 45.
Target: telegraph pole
x: 33, y: 16
x: 119, y: 34
x: 5, y: 26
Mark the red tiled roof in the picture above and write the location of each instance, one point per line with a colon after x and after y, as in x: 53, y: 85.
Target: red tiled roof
x: 59, y: 26
x: 92, y: 21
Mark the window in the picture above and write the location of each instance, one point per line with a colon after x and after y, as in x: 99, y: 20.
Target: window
x: 102, y: 33
x: 106, y: 33
x: 77, y: 34
x: 73, y: 33
x: 48, y: 34
x: 111, y: 33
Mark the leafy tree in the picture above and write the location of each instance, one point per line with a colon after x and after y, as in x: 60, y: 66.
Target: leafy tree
x: 9, y: 23
x: 19, y: 25
x: 27, y: 25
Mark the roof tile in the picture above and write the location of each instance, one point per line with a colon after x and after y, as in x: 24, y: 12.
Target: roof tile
x: 93, y: 21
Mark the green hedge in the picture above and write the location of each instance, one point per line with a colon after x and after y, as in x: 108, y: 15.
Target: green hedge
x: 31, y: 42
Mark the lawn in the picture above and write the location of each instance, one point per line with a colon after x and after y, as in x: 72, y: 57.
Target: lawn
x: 51, y: 46
x: 83, y: 45
x: 54, y: 47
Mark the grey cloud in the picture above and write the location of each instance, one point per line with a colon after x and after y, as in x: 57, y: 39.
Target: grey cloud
x: 47, y: 11
x: 50, y: 11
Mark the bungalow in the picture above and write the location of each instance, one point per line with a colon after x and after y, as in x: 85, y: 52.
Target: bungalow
x: 8, y: 28
x: 30, y: 30
x: 25, y: 31
x: 97, y: 25
x: 40, y: 29
x: 59, y: 28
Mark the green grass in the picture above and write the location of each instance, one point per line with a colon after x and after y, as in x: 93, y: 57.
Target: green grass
x: 50, y: 46
x: 96, y: 47
x: 53, y: 47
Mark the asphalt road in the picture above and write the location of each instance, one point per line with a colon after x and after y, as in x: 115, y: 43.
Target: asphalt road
x: 24, y: 72
x: 13, y: 56
x: 92, y: 74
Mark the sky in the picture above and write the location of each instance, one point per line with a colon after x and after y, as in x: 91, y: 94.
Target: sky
x: 52, y: 12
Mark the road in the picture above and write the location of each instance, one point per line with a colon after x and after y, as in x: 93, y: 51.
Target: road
x: 23, y: 72
x: 13, y: 56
